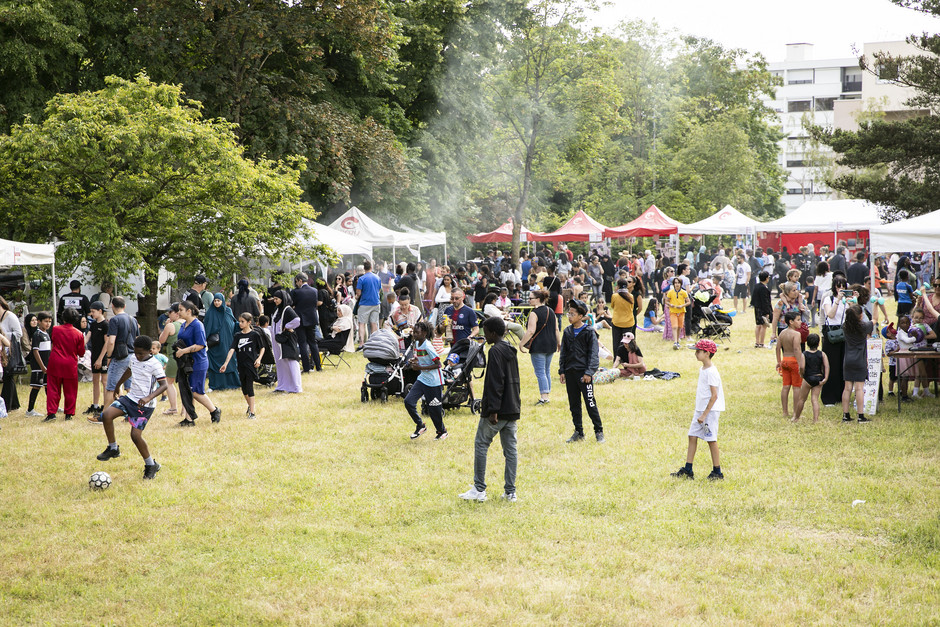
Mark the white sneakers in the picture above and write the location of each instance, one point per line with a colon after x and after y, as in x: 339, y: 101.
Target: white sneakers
x: 473, y: 495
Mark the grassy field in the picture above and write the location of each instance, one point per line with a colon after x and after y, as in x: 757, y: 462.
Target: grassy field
x: 323, y: 511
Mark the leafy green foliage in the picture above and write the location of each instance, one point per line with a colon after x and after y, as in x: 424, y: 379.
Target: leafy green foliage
x: 132, y: 179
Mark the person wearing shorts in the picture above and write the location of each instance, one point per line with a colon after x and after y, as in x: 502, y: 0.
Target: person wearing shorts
x: 148, y: 382
x: 122, y: 329
x: 99, y: 356
x: 709, y: 403
x: 368, y: 291
x: 790, y: 360
x: 248, y: 349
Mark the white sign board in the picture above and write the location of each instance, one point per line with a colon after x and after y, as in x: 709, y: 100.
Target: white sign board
x: 523, y: 237
x: 875, y: 346
x: 595, y: 237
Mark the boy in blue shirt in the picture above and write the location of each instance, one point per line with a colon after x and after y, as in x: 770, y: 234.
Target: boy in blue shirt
x: 903, y: 293
x: 429, y: 384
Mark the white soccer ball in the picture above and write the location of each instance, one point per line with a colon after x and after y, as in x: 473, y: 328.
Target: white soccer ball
x: 99, y: 481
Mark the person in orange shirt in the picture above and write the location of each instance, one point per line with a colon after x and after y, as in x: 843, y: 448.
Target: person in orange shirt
x: 677, y: 299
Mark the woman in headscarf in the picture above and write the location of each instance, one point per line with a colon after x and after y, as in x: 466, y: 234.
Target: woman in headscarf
x: 286, y: 347
x: 220, y: 322
x: 244, y: 301
x: 10, y: 326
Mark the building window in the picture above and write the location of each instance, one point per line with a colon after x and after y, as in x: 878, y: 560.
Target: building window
x: 825, y: 104
x: 851, y: 79
x: 887, y: 73
x: 798, y: 191
x: 798, y: 106
x: 795, y: 163
x: 800, y: 77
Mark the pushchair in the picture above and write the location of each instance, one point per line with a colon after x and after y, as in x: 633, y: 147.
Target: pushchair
x: 705, y: 320
x: 465, y: 357
x: 385, y: 373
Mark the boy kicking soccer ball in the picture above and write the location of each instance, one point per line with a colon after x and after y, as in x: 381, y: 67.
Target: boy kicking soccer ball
x: 148, y: 381
x: 709, y: 403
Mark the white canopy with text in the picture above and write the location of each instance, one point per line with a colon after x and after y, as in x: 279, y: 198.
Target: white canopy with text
x: 728, y: 221
x: 916, y: 234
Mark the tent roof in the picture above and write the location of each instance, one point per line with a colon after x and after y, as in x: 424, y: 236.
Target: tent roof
x: 357, y: 224
x: 501, y: 234
x: 650, y: 222
x: 921, y: 234
x: 827, y: 216
x: 728, y: 221
x: 579, y: 228
x: 24, y: 254
x: 340, y: 242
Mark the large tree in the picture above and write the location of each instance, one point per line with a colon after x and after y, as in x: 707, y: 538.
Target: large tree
x: 896, y: 163
x: 132, y: 179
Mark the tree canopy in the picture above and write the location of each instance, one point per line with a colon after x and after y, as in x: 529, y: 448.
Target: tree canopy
x: 132, y: 179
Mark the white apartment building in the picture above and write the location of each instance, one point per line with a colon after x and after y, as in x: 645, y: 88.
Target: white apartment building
x: 833, y: 93
x: 809, y: 93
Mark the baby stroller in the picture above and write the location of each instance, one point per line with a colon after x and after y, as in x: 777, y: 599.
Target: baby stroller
x: 705, y: 320
x: 465, y: 357
x: 385, y: 373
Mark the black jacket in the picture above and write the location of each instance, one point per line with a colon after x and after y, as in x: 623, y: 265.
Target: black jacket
x: 857, y: 273
x: 761, y: 301
x: 501, y: 384
x: 579, y: 352
x: 304, y: 303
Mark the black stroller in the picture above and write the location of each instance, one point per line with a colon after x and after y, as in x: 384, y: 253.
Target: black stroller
x: 465, y: 357
x: 385, y: 373
x: 705, y: 320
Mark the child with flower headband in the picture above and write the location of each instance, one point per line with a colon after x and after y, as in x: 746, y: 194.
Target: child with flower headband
x: 709, y: 403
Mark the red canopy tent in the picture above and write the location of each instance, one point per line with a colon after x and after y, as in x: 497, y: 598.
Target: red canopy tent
x: 580, y: 228
x: 501, y: 235
x: 651, y: 222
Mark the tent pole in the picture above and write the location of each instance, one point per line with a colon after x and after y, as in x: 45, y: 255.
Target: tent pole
x: 55, y: 304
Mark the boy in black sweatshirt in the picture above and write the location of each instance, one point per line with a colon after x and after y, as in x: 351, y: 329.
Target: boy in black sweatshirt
x: 499, y: 412
x: 577, y: 365
x: 763, y: 308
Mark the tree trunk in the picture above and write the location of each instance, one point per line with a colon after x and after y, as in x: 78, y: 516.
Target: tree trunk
x: 147, y: 305
x: 524, y: 196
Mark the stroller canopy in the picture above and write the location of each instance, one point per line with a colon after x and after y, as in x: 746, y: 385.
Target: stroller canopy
x: 381, y: 345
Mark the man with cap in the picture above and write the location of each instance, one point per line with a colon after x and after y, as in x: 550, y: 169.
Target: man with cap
x: 709, y: 403
x: 195, y: 294
x: 75, y: 300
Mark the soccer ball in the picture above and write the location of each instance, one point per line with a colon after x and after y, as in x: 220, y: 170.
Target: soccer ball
x: 99, y: 481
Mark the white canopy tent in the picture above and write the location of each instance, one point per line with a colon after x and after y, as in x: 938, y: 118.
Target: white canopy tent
x: 921, y: 234
x: 357, y: 224
x: 728, y: 221
x: 24, y: 254
x: 823, y: 216
x: 339, y: 241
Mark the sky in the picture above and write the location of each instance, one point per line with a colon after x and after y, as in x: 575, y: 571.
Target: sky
x: 832, y: 26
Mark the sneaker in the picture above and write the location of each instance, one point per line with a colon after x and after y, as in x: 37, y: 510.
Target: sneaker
x: 715, y: 475
x: 846, y: 419
x: 600, y: 437
x: 216, y: 415
x: 862, y: 420
x: 575, y: 437
x: 441, y: 436
x: 187, y: 423
x: 541, y: 401
x: 509, y: 496
x: 907, y: 399
x: 421, y: 429
x: 676, y: 346
x: 151, y: 471
x: 472, y: 494
x: 69, y: 416
x: 32, y: 413
x: 251, y: 416
x: 927, y: 394
x: 163, y: 398
x: 95, y: 419
x: 890, y: 393
x: 109, y: 453
x: 49, y: 418
x: 682, y: 473
x: 91, y: 409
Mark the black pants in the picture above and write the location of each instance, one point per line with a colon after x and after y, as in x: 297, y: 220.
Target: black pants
x: 186, y: 394
x: 617, y: 334
x: 9, y: 390
x: 576, y: 389
x: 307, y: 336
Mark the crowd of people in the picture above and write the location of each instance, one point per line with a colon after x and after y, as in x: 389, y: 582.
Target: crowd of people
x: 211, y: 341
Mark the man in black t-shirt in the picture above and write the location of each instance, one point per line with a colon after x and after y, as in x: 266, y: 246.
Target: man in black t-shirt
x: 99, y: 357
x: 74, y: 299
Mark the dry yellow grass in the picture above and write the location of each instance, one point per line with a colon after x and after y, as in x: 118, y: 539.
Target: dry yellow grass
x: 322, y: 511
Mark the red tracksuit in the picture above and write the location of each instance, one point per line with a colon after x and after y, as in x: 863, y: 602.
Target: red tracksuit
x: 68, y: 344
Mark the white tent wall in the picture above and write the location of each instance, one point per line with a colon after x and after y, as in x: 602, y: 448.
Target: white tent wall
x: 90, y: 287
x: 26, y: 254
x: 916, y: 234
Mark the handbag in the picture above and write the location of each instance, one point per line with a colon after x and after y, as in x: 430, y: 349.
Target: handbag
x: 528, y: 345
x: 804, y: 331
x: 834, y: 335
x: 213, y: 340
x: 17, y: 361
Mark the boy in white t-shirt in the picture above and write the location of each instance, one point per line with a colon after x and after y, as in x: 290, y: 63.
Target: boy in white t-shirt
x: 148, y: 381
x: 709, y: 403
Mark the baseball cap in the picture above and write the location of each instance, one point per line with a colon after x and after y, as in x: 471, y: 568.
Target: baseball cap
x: 707, y: 345
x: 97, y: 305
x: 627, y: 338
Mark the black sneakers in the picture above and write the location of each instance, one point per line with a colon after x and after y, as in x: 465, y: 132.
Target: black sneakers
x: 91, y: 409
x: 862, y: 420
x: 682, y: 473
x: 69, y: 416
x: 109, y: 453
x: 419, y: 430
x: 216, y: 415
x: 575, y: 437
x: 715, y: 475
x: 600, y: 437
x: 49, y: 418
x: 185, y: 422
x: 151, y: 471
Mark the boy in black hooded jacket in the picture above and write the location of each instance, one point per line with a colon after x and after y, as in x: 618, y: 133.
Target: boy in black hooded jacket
x: 576, y: 365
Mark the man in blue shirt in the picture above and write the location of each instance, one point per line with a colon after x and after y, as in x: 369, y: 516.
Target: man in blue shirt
x: 463, y: 320
x: 526, y: 265
x: 368, y: 291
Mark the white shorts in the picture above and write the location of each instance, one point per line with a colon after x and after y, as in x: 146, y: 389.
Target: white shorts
x: 707, y: 430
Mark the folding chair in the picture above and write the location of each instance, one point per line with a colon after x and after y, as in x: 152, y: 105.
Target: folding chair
x: 332, y: 350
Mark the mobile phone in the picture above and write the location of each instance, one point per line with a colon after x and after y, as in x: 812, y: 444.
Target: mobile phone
x: 848, y: 293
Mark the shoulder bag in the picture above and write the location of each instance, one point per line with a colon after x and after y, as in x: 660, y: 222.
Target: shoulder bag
x: 834, y: 334
x: 528, y: 345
